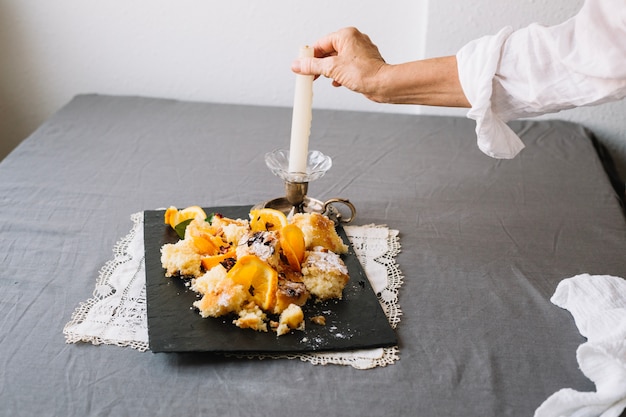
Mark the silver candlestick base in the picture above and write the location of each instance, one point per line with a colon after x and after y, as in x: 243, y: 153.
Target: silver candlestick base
x: 297, y: 185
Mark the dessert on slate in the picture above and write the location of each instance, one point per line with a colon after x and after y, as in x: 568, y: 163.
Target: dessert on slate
x: 262, y: 270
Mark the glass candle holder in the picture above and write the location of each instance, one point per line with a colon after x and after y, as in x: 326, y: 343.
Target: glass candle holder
x: 297, y: 183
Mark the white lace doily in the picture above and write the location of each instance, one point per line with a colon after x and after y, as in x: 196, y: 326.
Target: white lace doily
x: 116, y: 314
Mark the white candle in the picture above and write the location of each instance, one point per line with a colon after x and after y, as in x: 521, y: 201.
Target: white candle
x: 301, y: 119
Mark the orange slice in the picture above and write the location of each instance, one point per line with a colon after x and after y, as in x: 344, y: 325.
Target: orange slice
x: 292, y: 242
x: 208, y: 262
x: 258, y: 278
x: 169, y: 215
x: 191, y: 212
x: 267, y: 219
x: 204, y: 245
x: 174, y: 216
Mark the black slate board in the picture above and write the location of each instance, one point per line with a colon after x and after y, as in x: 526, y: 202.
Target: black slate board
x: 355, y: 322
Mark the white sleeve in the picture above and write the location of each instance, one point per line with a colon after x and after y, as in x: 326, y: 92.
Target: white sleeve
x: 538, y: 70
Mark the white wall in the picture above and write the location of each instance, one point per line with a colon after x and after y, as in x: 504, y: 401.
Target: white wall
x: 235, y: 51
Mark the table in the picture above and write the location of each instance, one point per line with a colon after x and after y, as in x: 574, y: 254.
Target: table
x: 484, y: 244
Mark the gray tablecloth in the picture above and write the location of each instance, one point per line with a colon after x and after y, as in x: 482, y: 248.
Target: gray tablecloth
x: 484, y: 244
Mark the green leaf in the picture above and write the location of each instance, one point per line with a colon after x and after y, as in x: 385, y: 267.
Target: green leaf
x: 209, y: 219
x: 181, y: 227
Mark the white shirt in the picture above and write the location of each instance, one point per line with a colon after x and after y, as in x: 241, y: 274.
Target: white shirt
x: 538, y: 70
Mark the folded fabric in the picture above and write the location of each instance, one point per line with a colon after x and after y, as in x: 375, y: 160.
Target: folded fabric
x: 478, y: 62
x: 598, y: 305
x: 541, y: 69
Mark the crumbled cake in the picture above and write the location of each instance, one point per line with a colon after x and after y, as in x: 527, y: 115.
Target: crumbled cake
x: 262, y: 244
x: 324, y: 273
x: 319, y: 230
x: 292, y: 318
x: 209, y: 255
x: 319, y: 320
x: 251, y: 317
x: 199, y: 227
x: 290, y: 292
x: 181, y: 258
x: 232, y: 229
x: 220, y: 295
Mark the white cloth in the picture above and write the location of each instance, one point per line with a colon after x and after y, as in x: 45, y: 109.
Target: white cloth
x: 538, y: 70
x: 116, y: 314
x: 598, y: 305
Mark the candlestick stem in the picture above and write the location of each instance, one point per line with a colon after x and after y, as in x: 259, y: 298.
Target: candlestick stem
x: 295, y: 192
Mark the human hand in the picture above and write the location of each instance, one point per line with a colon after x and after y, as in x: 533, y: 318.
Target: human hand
x: 349, y: 58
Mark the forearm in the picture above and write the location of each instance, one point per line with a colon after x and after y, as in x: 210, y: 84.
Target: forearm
x: 432, y: 82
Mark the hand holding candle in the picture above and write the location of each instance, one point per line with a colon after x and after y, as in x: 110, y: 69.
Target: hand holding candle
x: 301, y: 119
